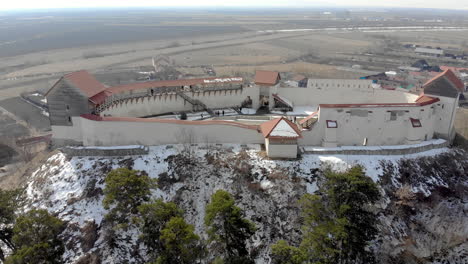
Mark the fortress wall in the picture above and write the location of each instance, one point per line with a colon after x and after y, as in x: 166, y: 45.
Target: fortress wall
x: 344, y: 95
x: 147, y: 106
x: 166, y: 103
x: 355, y: 124
x: 109, y: 133
x: 227, y: 98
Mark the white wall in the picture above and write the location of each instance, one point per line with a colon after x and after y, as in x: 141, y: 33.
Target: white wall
x: 109, y: 133
x: 445, y: 113
x: 166, y: 103
x: 281, y: 150
x: 375, y: 125
x: 343, y: 92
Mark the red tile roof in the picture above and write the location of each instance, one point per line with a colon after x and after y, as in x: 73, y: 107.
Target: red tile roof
x: 314, y: 114
x: 425, y: 99
x: 100, y: 97
x: 86, y: 82
x: 267, y: 78
x: 174, y: 83
x: 450, y: 76
x: 453, y: 68
x: 267, y: 127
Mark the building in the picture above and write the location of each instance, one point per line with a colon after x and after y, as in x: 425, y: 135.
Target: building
x: 340, y: 112
x: 430, y: 52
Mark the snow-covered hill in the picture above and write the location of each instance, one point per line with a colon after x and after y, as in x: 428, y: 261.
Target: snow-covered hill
x: 267, y: 190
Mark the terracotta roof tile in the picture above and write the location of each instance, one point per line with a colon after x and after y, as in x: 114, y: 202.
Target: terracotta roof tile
x: 86, y: 82
x: 267, y: 127
x: 267, y: 78
x: 100, y: 97
x: 450, y: 76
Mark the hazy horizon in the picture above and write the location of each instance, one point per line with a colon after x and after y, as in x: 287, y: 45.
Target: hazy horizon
x: 31, y: 5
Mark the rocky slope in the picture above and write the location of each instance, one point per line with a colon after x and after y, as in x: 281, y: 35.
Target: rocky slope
x: 423, y: 214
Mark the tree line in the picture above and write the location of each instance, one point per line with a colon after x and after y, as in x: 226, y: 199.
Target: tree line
x: 337, y: 224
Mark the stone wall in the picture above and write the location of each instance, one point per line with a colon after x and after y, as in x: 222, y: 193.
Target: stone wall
x: 96, y: 151
x: 376, y: 150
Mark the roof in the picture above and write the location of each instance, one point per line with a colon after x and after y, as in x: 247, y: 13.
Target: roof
x: 430, y: 51
x: 267, y: 78
x: 283, y: 100
x: 100, y: 97
x: 86, y: 82
x: 425, y: 99
x: 174, y: 83
x: 298, y: 78
x: 450, y: 76
x: 453, y: 68
x: 303, y: 121
x: 280, y: 128
x: 82, y: 80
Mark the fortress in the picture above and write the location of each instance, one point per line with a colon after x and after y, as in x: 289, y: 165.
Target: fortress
x: 326, y: 113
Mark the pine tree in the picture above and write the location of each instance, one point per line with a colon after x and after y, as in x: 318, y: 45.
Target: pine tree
x: 36, y: 239
x: 283, y: 253
x: 338, y: 224
x: 228, y: 228
x: 153, y: 217
x: 8, y: 205
x: 126, y: 190
x: 179, y: 242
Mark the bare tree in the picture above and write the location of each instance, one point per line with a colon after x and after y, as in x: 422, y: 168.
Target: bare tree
x: 187, y: 138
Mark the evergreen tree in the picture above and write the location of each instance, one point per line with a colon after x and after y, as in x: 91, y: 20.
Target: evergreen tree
x: 8, y: 205
x: 179, y: 242
x: 283, y: 253
x: 126, y: 190
x: 227, y: 226
x: 154, y: 217
x: 36, y: 239
x: 337, y: 225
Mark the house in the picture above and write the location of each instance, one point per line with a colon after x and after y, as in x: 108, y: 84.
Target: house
x: 280, y: 138
x: 299, y: 81
x: 429, y: 52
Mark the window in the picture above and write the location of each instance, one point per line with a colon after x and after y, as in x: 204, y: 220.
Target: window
x: 415, y: 122
x: 393, y: 116
x: 68, y: 107
x: 332, y: 124
x: 69, y: 119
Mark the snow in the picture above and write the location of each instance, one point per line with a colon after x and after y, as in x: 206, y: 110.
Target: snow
x: 285, y: 100
x: 394, y: 147
x: 63, y: 186
x: 109, y: 147
x: 299, y: 111
x: 248, y: 111
x: 283, y: 129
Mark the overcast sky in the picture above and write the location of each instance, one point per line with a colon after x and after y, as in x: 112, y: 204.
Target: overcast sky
x: 33, y: 4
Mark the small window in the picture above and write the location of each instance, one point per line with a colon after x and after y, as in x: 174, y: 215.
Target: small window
x: 69, y: 119
x: 393, y: 116
x: 332, y: 124
x: 68, y: 107
x: 415, y: 122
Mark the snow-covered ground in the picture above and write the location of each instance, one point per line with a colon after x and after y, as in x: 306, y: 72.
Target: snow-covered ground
x: 299, y: 111
x: 72, y: 188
